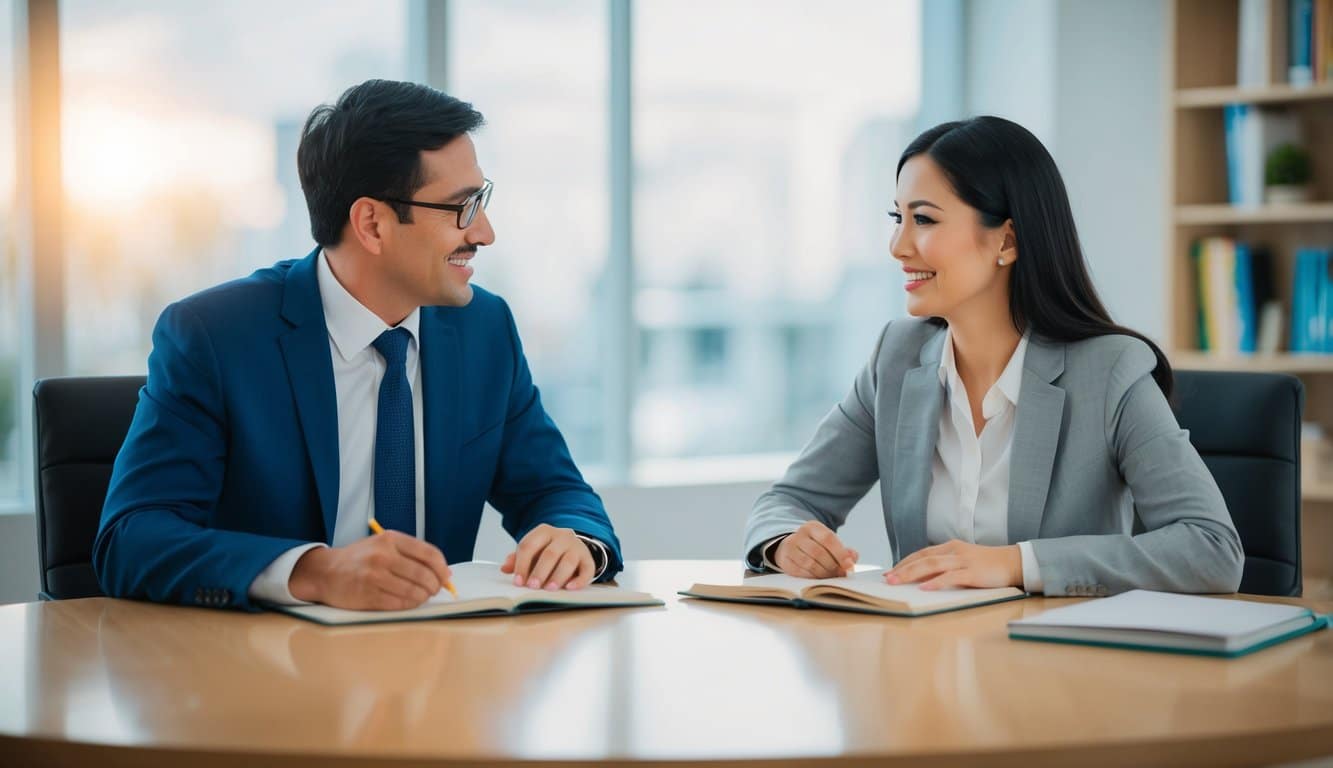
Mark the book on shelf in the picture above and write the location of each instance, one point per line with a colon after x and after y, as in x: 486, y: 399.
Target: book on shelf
x: 1254, y: 41
x: 1324, y: 17
x: 1309, y: 41
x: 1251, y: 133
x: 1237, y: 306
x: 1312, y: 302
x: 482, y: 591
x: 862, y: 592
x: 1162, y: 621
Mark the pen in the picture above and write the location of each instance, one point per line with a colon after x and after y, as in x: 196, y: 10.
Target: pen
x: 377, y: 528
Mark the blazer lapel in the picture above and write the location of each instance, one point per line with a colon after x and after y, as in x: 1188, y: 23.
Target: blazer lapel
x: 441, y: 385
x: 305, y: 350
x: 914, y: 445
x: 1041, y: 408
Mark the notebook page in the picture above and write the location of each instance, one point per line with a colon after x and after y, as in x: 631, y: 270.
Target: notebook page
x: 872, y: 583
x: 481, y: 580
x: 1167, y: 612
x: 792, y: 584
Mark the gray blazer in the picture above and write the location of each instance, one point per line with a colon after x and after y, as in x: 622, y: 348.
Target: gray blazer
x: 1095, y: 446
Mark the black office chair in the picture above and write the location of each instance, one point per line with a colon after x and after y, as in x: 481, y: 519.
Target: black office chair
x: 79, y: 425
x: 1247, y: 427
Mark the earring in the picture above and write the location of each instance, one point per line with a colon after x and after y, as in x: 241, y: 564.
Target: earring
x: 1002, y: 262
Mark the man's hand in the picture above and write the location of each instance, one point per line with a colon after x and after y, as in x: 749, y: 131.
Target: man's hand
x: 814, y: 552
x: 389, y: 571
x: 959, y: 564
x: 550, y: 558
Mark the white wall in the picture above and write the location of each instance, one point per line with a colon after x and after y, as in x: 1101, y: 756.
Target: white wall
x: 1110, y: 132
x: 18, y: 558
x: 1011, y: 63
x: 1086, y: 76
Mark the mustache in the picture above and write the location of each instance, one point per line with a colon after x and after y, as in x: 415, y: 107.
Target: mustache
x: 465, y: 250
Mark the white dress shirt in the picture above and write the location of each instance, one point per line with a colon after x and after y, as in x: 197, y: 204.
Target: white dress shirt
x: 969, y: 476
x: 357, y: 371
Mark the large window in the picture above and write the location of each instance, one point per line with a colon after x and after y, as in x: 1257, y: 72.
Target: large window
x: 537, y: 69
x: 721, y: 314
x: 9, y: 313
x: 181, y: 122
x: 766, y: 134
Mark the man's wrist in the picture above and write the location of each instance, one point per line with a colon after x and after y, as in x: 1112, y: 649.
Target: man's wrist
x: 307, y: 580
x: 601, y: 556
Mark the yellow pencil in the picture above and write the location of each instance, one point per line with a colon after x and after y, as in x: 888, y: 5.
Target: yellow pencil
x: 377, y: 528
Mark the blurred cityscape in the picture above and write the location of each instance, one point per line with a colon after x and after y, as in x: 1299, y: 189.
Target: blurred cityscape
x: 760, y: 239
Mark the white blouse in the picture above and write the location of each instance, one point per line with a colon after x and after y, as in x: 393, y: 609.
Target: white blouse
x: 969, y: 487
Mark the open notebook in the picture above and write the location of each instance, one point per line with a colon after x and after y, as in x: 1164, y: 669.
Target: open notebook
x: 1161, y: 621
x: 482, y: 590
x: 864, y: 591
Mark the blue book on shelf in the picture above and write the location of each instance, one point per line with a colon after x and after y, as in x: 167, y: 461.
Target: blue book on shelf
x: 1326, y: 298
x: 1246, y: 311
x: 1301, y: 302
x: 1308, y: 327
x: 1319, y: 323
x: 1300, y: 39
x: 1233, y: 119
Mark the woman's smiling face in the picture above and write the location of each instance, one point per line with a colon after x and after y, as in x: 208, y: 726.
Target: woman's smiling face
x: 950, y: 258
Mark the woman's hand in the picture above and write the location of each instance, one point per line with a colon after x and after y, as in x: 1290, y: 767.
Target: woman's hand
x: 814, y: 552
x: 959, y: 564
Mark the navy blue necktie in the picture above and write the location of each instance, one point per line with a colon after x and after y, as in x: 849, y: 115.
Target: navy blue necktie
x: 395, y: 457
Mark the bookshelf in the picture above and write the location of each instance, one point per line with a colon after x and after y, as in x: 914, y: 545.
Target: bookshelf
x: 1278, y: 93
x: 1293, y: 364
x: 1202, y: 40
x: 1259, y: 214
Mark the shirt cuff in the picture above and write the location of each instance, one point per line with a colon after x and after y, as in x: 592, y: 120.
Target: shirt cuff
x: 271, y: 585
x: 761, y: 557
x: 600, y: 558
x: 1031, y: 572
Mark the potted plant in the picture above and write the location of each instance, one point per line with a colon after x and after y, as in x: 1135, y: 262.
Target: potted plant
x: 1287, y: 175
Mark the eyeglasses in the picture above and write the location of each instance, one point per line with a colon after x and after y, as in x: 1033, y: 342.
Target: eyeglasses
x: 466, y: 210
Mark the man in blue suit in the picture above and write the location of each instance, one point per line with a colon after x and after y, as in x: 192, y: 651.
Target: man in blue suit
x: 368, y: 380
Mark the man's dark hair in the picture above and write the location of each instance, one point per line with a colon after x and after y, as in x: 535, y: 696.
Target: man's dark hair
x: 369, y: 144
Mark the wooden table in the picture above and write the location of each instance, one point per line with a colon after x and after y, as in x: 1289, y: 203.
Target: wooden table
x: 108, y: 682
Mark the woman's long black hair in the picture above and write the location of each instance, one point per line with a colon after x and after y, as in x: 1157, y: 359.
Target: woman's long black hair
x: 1001, y: 169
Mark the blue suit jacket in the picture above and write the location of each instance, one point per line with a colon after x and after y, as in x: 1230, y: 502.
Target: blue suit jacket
x: 232, y: 457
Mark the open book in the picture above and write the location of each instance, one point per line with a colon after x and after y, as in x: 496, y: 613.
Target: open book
x: 864, y: 591
x: 1162, y: 621
x: 482, y: 590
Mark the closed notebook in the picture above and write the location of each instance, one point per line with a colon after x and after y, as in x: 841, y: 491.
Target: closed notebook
x: 1162, y: 621
x: 864, y: 592
x: 482, y: 591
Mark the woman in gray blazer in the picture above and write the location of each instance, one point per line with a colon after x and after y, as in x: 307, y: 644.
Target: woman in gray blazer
x: 1019, y: 436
